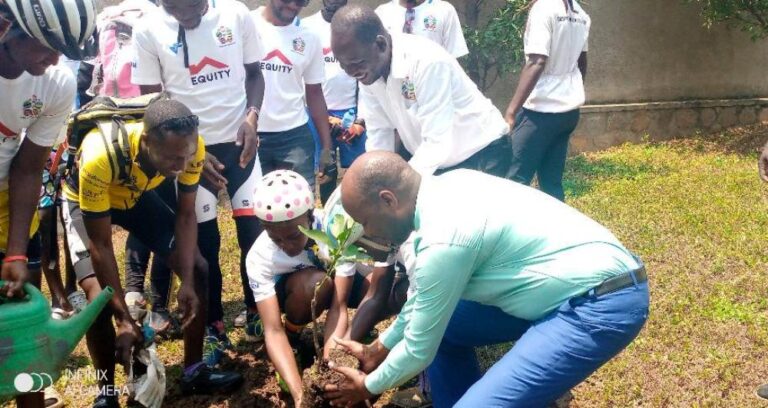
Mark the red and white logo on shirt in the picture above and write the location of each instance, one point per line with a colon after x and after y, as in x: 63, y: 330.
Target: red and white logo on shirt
x: 276, y: 61
x: 328, y: 55
x: 218, y: 70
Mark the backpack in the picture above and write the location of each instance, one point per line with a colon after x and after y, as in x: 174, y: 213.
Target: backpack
x: 112, y: 65
x: 109, y: 116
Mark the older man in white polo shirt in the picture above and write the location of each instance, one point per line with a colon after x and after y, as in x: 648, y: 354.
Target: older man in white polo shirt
x: 545, y: 108
x: 410, y: 85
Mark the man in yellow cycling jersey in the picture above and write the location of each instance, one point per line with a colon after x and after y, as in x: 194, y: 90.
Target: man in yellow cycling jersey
x: 113, y: 184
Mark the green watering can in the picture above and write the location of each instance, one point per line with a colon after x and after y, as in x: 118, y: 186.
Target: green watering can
x: 34, y: 347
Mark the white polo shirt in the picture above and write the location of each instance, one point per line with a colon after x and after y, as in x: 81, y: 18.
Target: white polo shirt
x: 266, y: 263
x: 292, y: 58
x: 213, y: 86
x: 441, y: 116
x: 338, y: 87
x: 434, y: 19
x: 39, y: 104
x: 562, y: 35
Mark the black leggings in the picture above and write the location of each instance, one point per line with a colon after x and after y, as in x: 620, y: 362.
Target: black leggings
x: 137, y: 259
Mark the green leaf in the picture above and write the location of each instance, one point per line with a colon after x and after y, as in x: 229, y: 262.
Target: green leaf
x: 337, y: 225
x: 318, y: 236
x: 353, y: 253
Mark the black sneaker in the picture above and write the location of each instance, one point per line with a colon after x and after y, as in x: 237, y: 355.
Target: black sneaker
x: 209, y: 381
x: 106, y: 401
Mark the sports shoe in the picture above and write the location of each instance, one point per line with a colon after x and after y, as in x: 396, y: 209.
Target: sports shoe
x: 137, y: 305
x: 205, y: 380
x: 242, y: 319
x: 214, y: 345
x: 106, y: 401
x: 254, y: 330
x: 762, y: 391
x: 78, y: 300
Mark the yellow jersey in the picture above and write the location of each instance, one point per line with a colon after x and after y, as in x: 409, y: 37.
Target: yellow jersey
x: 95, y: 181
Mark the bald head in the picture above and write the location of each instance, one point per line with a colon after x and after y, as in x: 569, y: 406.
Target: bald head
x: 379, y: 190
x: 358, y: 22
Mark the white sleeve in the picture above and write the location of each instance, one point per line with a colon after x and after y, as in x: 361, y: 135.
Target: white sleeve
x: 346, y: 269
x: 315, y: 72
x: 46, y: 129
x: 538, y: 30
x: 253, y: 45
x: 261, y: 277
x: 435, y: 115
x: 380, y: 133
x: 146, y: 62
x: 453, y: 35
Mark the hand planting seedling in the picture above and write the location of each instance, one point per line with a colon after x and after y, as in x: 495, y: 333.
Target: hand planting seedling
x: 337, y: 239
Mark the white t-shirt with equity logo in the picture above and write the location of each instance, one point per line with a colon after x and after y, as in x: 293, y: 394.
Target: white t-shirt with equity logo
x: 213, y: 86
x: 434, y: 19
x: 292, y: 58
x: 39, y: 104
x: 339, y: 88
x: 562, y: 35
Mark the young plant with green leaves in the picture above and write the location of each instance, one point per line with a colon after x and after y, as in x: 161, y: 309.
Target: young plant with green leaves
x: 340, y: 250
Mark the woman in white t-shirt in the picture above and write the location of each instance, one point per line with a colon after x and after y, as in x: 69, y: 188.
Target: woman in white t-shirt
x: 284, y: 266
x: 544, y: 111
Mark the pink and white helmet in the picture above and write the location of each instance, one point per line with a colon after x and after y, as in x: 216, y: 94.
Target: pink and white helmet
x: 282, y: 195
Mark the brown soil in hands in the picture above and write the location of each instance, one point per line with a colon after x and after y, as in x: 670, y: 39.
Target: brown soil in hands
x: 319, y: 375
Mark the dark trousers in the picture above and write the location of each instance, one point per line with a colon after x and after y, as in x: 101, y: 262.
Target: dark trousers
x: 492, y: 159
x: 539, y: 147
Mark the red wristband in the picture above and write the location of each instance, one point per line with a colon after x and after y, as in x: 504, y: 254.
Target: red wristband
x: 16, y: 258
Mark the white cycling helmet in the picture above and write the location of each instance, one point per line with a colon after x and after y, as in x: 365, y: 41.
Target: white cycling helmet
x: 61, y: 25
x: 333, y: 207
x: 282, y: 195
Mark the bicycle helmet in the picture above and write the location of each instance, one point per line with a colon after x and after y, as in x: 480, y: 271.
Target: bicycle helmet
x: 61, y: 25
x: 282, y: 195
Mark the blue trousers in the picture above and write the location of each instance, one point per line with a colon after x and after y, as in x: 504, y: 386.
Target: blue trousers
x: 550, y: 355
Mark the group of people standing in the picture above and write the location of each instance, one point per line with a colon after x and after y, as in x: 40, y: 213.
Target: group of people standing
x: 259, y: 103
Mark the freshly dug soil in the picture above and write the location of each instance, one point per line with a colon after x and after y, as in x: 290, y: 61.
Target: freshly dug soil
x: 319, y: 375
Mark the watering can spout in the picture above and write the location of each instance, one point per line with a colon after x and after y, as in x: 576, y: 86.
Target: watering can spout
x: 74, y: 328
x: 35, y: 347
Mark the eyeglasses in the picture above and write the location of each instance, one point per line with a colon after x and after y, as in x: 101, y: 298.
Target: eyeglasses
x: 300, y: 3
x: 410, y: 16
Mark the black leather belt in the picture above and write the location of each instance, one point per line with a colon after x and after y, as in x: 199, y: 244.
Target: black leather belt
x: 622, y: 281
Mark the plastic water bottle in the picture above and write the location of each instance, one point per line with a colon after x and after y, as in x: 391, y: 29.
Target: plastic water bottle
x: 348, y: 119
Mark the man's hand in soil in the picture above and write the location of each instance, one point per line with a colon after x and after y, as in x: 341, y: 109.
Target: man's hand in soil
x: 349, y: 392
x: 763, y: 164
x: 15, y: 275
x: 189, y: 304
x: 248, y: 139
x: 212, y: 171
x: 129, y: 338
x: 370, y: 355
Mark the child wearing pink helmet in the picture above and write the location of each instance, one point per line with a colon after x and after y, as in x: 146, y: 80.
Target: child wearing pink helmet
x: 283, y: 267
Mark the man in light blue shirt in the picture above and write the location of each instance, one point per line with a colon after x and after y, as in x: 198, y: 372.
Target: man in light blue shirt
x: 496, y: 261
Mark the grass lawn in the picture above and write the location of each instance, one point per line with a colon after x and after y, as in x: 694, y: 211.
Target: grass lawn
x: 693, y: 209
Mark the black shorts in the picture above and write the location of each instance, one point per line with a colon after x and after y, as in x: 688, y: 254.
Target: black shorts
x: 241, y: 183
x: 151, y: 220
